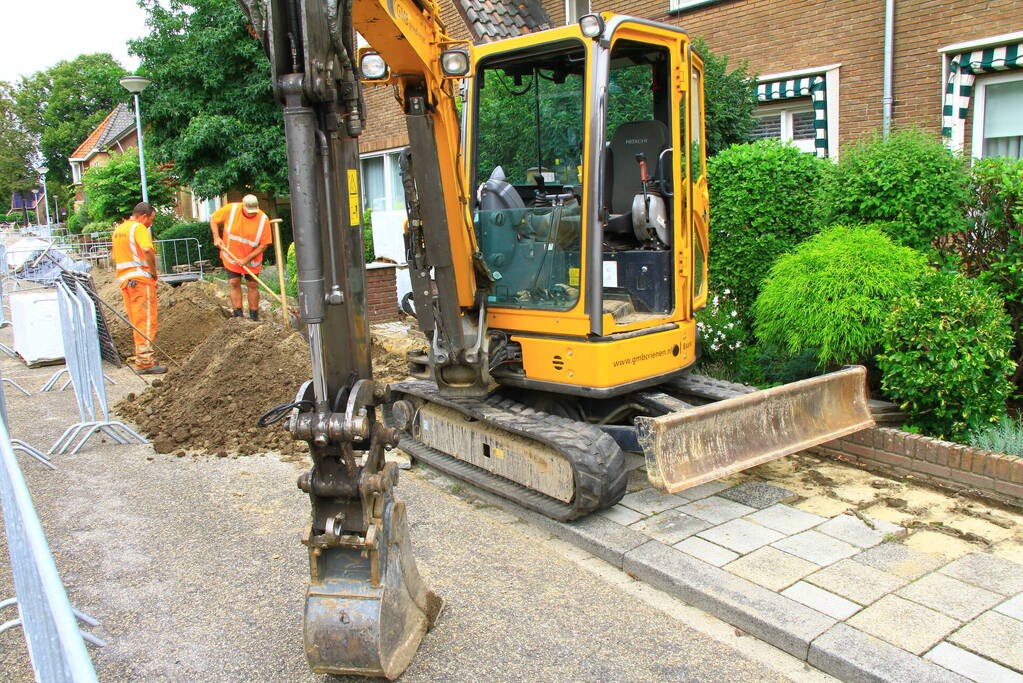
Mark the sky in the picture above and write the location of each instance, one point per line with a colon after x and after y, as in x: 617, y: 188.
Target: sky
x: 40, y: 33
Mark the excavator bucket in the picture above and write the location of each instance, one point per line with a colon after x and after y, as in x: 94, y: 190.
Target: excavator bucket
x: 367, y: 610
x: 691, y: 447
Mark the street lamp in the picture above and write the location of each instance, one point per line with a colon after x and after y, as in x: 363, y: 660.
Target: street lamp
x: 43, y: 170
x: 135, y: 85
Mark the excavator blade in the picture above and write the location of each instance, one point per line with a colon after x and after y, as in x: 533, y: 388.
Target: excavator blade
x: 366, y: 611
x: 691, y: 447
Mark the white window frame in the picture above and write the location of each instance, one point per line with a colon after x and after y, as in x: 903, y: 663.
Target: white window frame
x: 390, y: 156
x: 833, y: 89
x: 76, y: 172
x: 786, y: 108
x: 682, y: 5
x: 570, y: 15
x: 980, y: 102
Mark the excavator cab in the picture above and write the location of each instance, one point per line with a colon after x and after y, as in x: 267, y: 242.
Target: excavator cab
x: 587, y: 160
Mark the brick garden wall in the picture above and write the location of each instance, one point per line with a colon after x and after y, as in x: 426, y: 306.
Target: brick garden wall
x: 381, y: 292
x: 942, y: 463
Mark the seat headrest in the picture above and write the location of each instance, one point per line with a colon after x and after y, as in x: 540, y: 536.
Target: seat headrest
x: 629, y: 139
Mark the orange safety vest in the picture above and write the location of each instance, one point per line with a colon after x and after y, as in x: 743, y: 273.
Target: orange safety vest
x: 129, y: 240
x: 239, y: 229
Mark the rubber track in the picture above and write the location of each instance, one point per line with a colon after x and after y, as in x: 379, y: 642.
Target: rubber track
x: 598, y: 464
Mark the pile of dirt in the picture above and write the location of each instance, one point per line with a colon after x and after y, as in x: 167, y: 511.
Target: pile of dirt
x: 186, y: 315
x: 236, y: 372
x: 213, y: 401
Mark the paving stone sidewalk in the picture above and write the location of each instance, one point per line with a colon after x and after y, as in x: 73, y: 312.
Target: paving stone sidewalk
x: 844, y: 593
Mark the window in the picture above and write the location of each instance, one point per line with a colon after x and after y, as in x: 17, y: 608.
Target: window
x: 997, y: 124
x: 575, y: 9
x: 381, y: 183
x: 792, y: 122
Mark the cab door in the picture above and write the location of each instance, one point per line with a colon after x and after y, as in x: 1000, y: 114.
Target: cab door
x: 700, y: 202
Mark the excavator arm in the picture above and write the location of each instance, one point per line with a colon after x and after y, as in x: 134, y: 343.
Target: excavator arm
x: 366, y: 607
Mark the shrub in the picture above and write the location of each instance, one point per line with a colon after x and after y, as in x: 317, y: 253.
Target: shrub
x: 77, y: 220
x: 115, y: 188
x: 990, y: 248
x: 910, y: 182
x: 834, y: 292
x: 721, y: 330
x: 97, y: 228
x: 201, y: 232
x: 945, y: 355
x: 291, y: 285
x: 1006, y: 436
x: 761, y: 207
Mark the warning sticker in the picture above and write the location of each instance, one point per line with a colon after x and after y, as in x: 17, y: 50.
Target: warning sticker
x: 353, y: 197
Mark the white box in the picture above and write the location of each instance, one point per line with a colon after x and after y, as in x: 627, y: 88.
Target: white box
x: 35, y: 319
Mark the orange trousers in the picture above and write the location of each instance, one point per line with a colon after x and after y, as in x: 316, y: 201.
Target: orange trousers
x: 140, y: 304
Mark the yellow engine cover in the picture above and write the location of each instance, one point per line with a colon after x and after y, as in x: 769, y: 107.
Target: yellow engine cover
x: 611, y: 363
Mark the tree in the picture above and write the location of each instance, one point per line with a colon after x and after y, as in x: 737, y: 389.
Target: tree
x: 61, y: 105
x: 113, y: 189
x: 210, y: 112
x: 729, y: 97
x: 15, y: 149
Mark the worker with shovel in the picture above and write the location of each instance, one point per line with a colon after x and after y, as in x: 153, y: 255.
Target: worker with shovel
x: 135, y: 259
x: 246, y: 234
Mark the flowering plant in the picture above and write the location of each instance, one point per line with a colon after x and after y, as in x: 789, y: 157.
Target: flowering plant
x: 719, y: 328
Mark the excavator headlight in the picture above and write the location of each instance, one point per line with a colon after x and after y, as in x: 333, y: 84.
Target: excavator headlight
x: 591, y: 25
x: 373, y: 67
x: 454, y: 63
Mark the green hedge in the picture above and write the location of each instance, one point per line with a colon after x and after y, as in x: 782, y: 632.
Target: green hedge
x: 761, y: 206
x: 910, y: 182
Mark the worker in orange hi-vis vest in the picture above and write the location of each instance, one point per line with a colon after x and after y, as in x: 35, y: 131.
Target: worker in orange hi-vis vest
x: 135, y: 259
x: 246, y: 234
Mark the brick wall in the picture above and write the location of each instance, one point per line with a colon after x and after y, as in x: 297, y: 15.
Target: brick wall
x: 942, y: 463
x: 784, y: 35
x: 381, y: 292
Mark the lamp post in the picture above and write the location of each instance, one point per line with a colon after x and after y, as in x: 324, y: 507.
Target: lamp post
x: 135, y: 85
x: 43, y: 170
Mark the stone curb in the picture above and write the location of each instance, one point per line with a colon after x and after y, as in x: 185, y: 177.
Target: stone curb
x: 833, y: 647
x: 852, y: 655
x: 780, y: 621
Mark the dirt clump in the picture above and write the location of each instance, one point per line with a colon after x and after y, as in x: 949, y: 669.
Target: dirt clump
x: 186, y: 315
x: 213, y: 401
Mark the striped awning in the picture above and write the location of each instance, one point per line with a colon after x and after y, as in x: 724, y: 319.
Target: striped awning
x: 780, y: 90
x: 962, y: 72
x: 807, y: 86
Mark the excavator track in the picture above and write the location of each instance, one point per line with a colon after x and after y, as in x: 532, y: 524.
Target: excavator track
x: 596, y: 462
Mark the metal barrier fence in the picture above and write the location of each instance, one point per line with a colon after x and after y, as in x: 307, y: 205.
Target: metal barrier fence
x: 48, y: 621
x: 177, y: 260
x: 18, y: 444
x: 80, y: 334
x: 25, y: 266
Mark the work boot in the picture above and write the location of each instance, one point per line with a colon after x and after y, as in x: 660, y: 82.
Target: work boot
x: 152, y: 370
x: 253, y: 315
x: 237, y: 312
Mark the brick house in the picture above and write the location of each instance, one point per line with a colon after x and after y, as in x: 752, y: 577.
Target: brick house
x: 821, y: 74
x: 115, y: 133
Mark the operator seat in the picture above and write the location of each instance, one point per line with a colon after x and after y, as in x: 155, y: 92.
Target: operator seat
x: 497, y: 193
x: 621, y: 177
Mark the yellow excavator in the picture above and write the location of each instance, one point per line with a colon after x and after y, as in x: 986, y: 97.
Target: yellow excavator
x: 557, y: 244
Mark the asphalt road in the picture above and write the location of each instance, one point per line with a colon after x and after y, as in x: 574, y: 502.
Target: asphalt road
x: 195, y: 570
